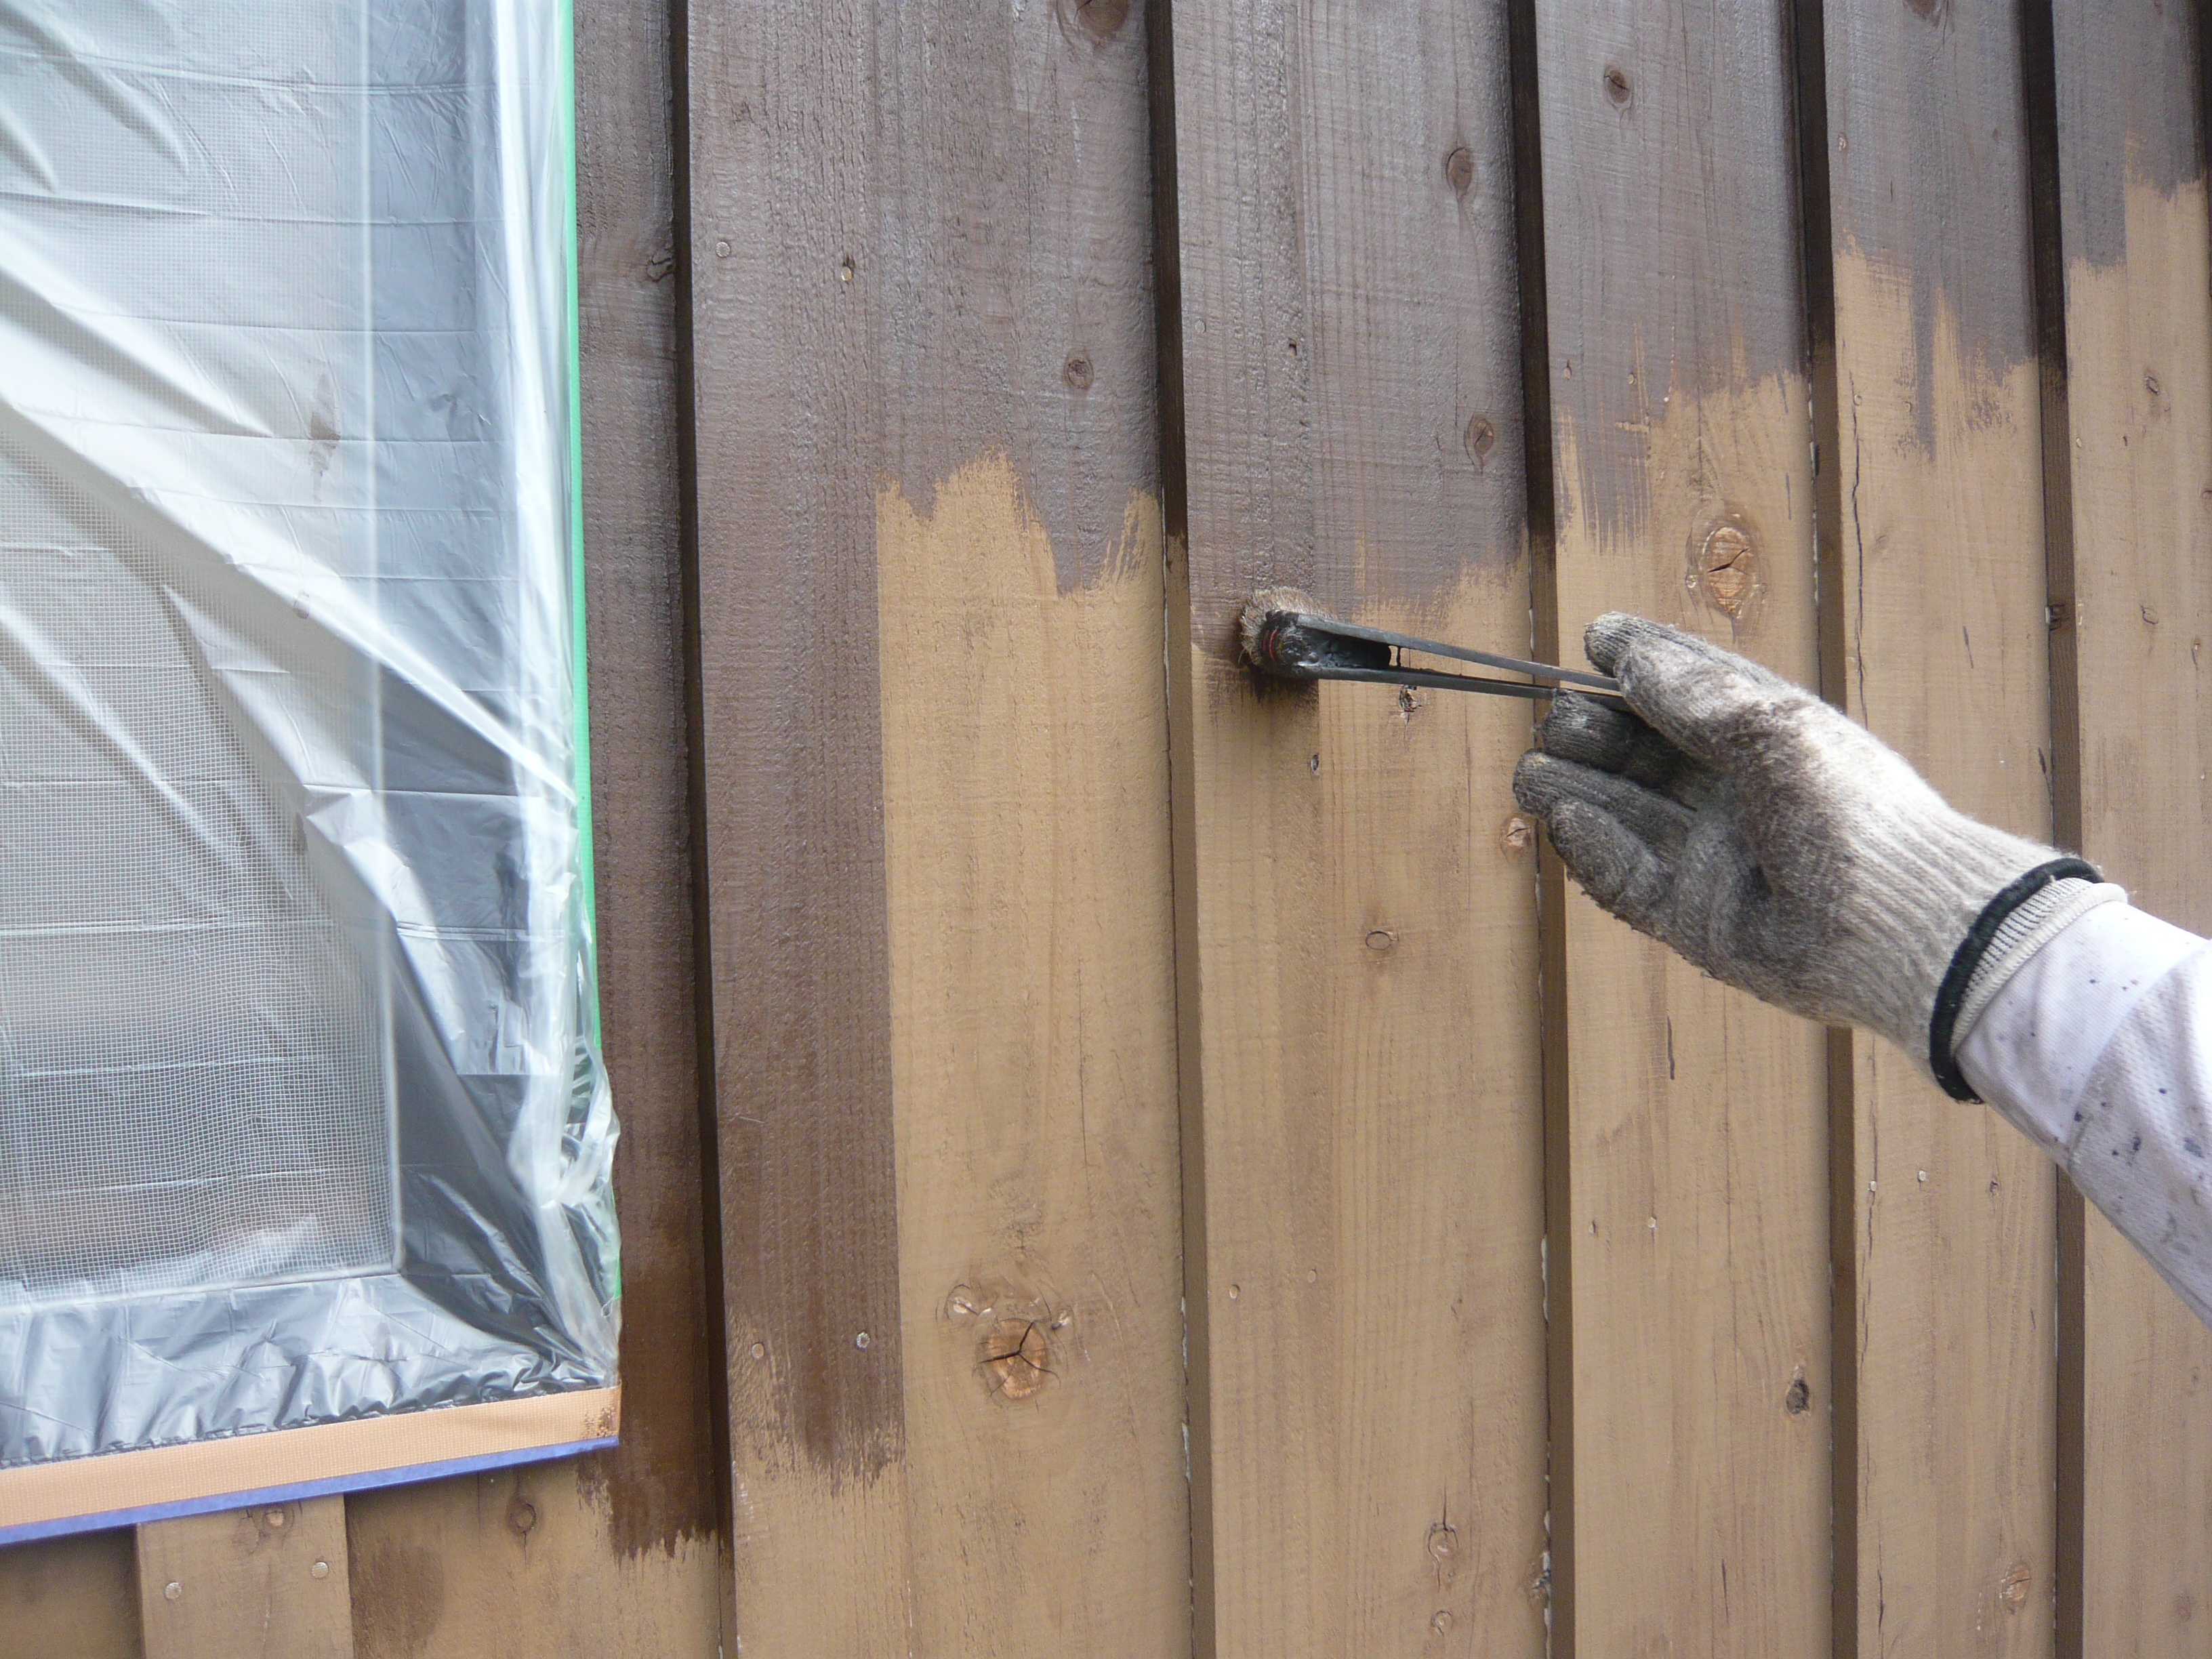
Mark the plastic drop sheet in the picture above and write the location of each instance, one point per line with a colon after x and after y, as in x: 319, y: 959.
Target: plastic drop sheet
x: 301, y: 1117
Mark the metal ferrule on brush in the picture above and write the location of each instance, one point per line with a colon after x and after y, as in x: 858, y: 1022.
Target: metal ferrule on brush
x: 1287, y: 636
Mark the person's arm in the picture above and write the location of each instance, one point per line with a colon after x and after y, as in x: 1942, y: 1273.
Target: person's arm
x: 1784, y: 849
x: 2098, y: 1046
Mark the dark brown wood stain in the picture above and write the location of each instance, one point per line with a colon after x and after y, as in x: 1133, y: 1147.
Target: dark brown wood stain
x: 1674, y: 272
x: 661, y: 1481
x: 1928, y: 174
x: 903, y: 234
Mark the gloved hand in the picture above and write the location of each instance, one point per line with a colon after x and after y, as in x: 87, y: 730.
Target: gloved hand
x: 1772, y: 841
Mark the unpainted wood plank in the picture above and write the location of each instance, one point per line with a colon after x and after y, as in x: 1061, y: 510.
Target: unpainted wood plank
x: 1355, y: 895
x: 1033, y: 1065
x: 2134, y: 235
x: 77, y: 1596
x: 268, y: 1583
x: 623, y: 1554
x: 1690, y: 1234
x: 1944, y: 1236
x: 929, y: 674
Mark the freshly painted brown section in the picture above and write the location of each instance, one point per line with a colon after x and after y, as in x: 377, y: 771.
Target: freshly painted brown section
x: 2129, y: 700
x: 1671, y: 209
x: 2128, y: 114
x: 1927, y: 168
x: 77, y: 1597
x: 918, y: 239
x: 1355, y: 906
x: 786, y: 292
x: 661, y: 1485
x: 1688, y: 1249
x: 269, y: 1582
x: 1934, y: 636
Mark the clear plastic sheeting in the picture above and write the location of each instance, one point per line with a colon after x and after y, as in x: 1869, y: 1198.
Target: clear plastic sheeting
x: 301, y: 1114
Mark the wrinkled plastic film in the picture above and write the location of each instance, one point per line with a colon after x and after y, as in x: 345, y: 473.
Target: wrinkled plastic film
x: 301, y: 1117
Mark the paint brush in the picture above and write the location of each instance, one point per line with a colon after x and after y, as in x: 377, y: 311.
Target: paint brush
x: 1288, y: 635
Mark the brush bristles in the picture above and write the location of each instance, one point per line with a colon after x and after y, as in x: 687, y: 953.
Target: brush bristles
x: 1270, y: 602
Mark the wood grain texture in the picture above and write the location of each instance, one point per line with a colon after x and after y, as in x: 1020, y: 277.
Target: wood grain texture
x: 921, y: 328
x: 269, y: 1582
x: 624, y: 1553
x: 1689, y: 1231
x: 523, y: 1560
x: 77, y: 1596
x: 2133, y: 234
x: 1033, y: 1067
x: 1944, y: 1234
x: 1355, y: 896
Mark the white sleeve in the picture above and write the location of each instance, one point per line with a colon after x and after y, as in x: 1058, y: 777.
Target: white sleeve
x: 2099, y: 1048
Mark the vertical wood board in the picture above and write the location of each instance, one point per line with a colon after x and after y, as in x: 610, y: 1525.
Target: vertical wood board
x: 1362, y: 1133
x: 932, y: 704
x: 268, y: 1583
x: 75, y: 1595
x: 1945, y: 1232
x: 2133, y: 234
x: 1689, y: 1232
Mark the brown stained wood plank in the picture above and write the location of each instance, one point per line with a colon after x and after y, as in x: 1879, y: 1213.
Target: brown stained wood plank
x: 623, y: 1553
x: 269, y: 1582
x: 921, y: 328
x: 1689, y: 1235
x: 1355, y: 896
x: 77, y: 1597
x: 2134, y: 238
x: 1944, y: 1239
x: 780, y: 183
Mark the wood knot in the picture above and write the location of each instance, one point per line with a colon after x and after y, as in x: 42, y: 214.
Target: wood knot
x: 1616, y: 85
x: 1459, y: 168
x: 1015, y: 1358
x: 2011, y: 1589
x: 1799, y: 1399
x: 1077, y: 372
x: 1479, y: 439
x: 1096, y: 21
x: 1443, y: 1550
x: 1516, y: 835
x: 1724, y: 568
x: 1380, y: 939
x: 521, y: 1514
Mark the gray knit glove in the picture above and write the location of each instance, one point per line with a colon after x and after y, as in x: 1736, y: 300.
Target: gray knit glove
x: 1764, y: 835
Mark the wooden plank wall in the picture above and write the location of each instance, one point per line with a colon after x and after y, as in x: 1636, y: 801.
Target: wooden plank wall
x: 1356, y: 927
x: 932, y: 731
x: 1120, y: 1159
x: 1688, y: 1229
x: 2132, y: 534
x: 1945, y: 1217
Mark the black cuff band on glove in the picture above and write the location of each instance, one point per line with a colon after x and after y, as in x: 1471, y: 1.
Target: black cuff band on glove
x: 1953, y: 992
